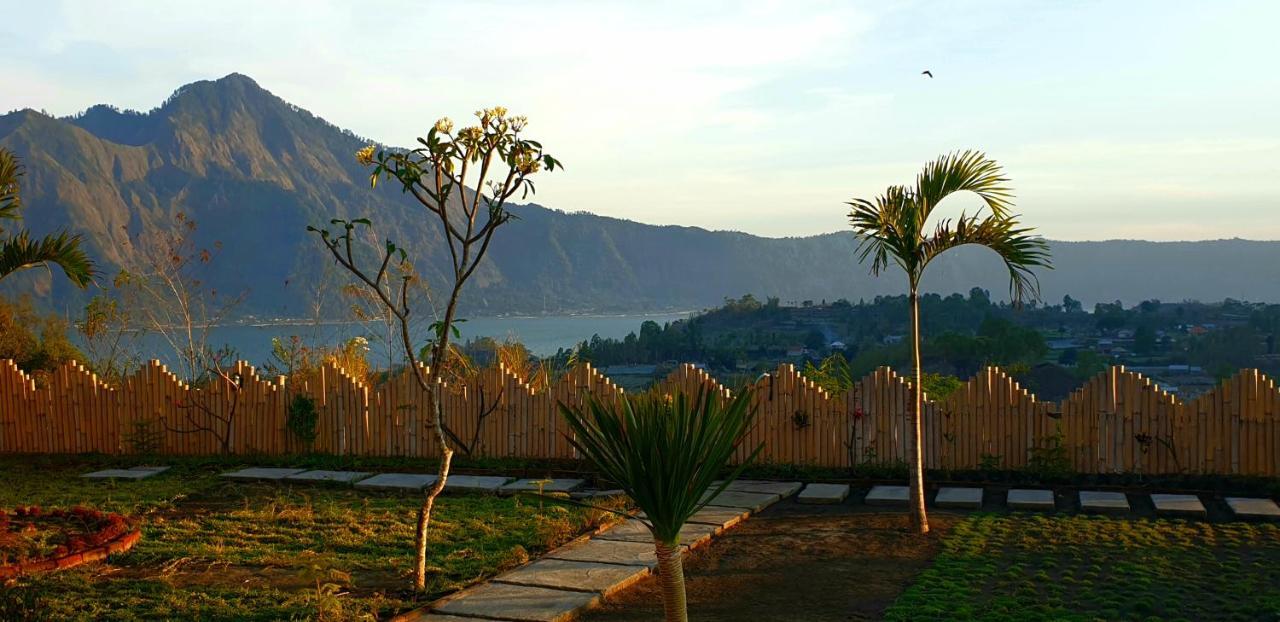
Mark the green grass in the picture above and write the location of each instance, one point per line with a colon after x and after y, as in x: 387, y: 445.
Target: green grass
x: 218, y: 550
x: 1020, y: 567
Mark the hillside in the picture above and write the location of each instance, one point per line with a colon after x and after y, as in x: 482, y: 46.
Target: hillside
x: 254, y: 171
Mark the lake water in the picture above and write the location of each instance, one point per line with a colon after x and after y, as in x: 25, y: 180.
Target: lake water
x: 542, y: 335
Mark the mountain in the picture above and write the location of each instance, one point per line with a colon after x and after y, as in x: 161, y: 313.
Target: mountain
x: 254, y: 171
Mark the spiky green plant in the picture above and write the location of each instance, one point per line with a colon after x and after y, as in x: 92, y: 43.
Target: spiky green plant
x: 892, y: 230
x: 19, y: 250
x: 665, y: 454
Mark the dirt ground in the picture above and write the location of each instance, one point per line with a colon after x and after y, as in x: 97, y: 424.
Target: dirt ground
x: 795, y: 562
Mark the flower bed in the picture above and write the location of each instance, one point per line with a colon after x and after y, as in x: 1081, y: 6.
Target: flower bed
x: 33, y: 539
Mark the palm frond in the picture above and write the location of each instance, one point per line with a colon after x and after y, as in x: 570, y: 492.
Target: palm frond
x: 22, y: 251
x: 964, y: 171
x: 663, y: 454
x: 887, y: 229
x: 1020, y: 251
x: 10, y: 200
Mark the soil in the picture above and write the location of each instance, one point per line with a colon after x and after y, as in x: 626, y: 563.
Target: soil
x: 795, y: 562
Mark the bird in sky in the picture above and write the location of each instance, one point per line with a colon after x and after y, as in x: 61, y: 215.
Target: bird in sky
x: 926, y: 72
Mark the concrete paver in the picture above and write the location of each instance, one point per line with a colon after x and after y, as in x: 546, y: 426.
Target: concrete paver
x: 959, y: 497
x: 823, y: 493
x: 1030, y: 499
x: 1178, y: 505
x: 887, y: 495
x: 343, y: 477
x: 604, y: 579
x: 265, y: 474
x: 1250, y: 508
x: 1103, y: 501
x: 525, y: 603
x: 397, y: 481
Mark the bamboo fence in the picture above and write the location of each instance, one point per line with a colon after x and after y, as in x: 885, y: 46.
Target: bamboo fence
x: 1118, y: 421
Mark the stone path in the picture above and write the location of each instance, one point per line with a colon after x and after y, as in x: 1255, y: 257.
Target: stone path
x: 578, y: 575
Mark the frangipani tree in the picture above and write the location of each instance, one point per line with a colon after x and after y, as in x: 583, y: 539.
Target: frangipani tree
x: 462, y: 180
x: 18, y: 250
x: 893, y: 230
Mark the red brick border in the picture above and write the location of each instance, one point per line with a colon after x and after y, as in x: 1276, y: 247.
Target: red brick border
x: 115, y: 537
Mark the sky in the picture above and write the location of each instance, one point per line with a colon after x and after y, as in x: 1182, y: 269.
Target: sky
x: 1133, y: 119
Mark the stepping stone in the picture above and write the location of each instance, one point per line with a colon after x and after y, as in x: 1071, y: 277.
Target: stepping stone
x: 422, y: 615
x: 887, y: 495
x: 823, y: 494
x: 523, y: 603
x: 130, y: 474
x: 262, y: 474
x: 344, y: 477
x: 150, y: 469
x: 397, y: 481
x: 967, y: 498
x: 1178, y: 505
x: 782, y: 489
x: 691, y: 535
x: 1095, y: 501
x: 1030, y: 499
x: 608, y: 552
x: 719, y: 517
x: 474, y: 483
x: 1245, y: 507
x: 603, y: 579
x: 555, y: 485
x: 754, y: 501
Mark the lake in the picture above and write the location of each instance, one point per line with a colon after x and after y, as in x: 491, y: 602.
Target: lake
x: 542, y: 335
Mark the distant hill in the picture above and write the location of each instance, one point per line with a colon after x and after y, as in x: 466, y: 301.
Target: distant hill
x: 254, y: 171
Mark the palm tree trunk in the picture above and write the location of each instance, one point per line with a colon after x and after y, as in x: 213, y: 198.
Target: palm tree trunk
x: 671, y: 574
x: 915, y: 453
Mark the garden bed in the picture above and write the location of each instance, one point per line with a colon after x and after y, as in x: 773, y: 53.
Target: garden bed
x: 853, y: 562
x: 34, y: 540
x: 218, y: 550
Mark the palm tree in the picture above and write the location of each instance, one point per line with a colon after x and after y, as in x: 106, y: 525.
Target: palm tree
x: 892, y: 231
x: 665, y: 454
x: 19, y: 250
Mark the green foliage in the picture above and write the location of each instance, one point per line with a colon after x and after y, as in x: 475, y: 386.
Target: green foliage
x: 144, y: 437
x: 990, y: 462
x: 36, y: 342
x: 663, y: 453
x: 302, y: 418
x: 833, y: 374
x: 939, y: 386
x: 19, y: 251
x: 1084, y: 568
x: 1050, y: 459
x: 1090, y: 364
x: 892, y: 229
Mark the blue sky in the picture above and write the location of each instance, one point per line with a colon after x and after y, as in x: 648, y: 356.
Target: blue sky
x: 1134, y: 119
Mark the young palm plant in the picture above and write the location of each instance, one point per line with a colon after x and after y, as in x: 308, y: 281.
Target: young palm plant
x: 665, y: 454
x: 19, y: 250
x: 892, y: 231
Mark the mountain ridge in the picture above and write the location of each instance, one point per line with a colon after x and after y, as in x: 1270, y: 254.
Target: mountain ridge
x: 255, y: 170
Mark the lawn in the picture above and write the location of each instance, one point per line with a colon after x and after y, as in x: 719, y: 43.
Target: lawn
x: 1020, y: 567
x: 218, y: 550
